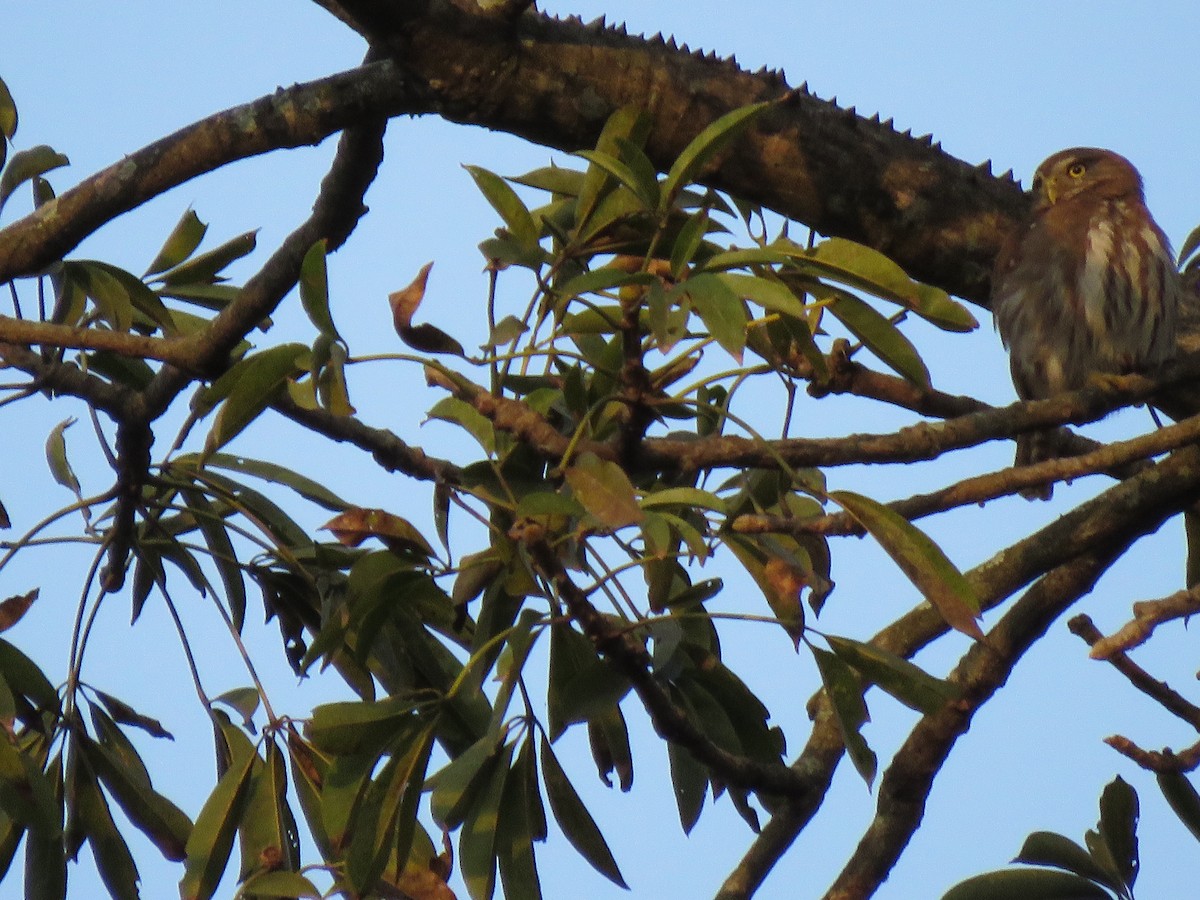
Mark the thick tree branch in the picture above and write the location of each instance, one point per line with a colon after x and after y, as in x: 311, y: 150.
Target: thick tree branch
x: 300, y: 115
x: 1114, y: 519
x: 391, y: 453
x: 906, y: 783
x: 555, y: 82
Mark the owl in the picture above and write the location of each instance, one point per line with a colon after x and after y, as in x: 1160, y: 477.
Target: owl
x: 1087, y: 287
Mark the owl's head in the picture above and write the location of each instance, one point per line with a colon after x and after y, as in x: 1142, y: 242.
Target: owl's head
x: 1085, y: 171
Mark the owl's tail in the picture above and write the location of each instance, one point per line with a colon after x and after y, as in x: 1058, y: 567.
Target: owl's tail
x: 1034, y: 447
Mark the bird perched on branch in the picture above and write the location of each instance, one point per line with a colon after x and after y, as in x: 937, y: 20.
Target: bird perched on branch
x: 1088, y: 287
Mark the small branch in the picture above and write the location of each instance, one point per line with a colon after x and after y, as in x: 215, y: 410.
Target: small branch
x: 69, y: 380
x: 290, y: 117
x: 922, y: 441
x: 1125, y: 457
x: 670, y: 722
x: 1159, y: 691
x: 49, y: 334
x: 389, y: 451
x: 1147, y: 615
x: 1166, y: 762
x: 513, y: 416
x: 134, y: 439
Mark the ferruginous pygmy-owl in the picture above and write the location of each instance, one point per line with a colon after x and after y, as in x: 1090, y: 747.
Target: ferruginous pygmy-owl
x: 1088, y: 286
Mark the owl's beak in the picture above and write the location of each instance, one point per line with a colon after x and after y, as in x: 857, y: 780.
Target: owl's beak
x: 1050, y: 190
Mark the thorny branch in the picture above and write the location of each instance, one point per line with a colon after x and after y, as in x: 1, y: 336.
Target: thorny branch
x: 829, y: 168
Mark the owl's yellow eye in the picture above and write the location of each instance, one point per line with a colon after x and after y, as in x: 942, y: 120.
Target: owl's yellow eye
x: 1077, y: 170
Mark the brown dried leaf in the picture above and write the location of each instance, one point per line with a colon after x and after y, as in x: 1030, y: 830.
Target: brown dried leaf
x: 12, y: 609
x: 404, y: 302
x: 357, y: 524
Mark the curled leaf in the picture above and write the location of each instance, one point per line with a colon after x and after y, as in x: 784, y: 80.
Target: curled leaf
x: 356, y: 524
x: 56, y: 457
x: 12, y: 609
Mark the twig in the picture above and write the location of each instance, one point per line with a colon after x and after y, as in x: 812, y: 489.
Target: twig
x: 1159, y: 691
x: 669, y: 721
x: 1147, y: 615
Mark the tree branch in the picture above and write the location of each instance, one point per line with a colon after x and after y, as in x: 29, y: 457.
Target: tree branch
x: 556, y: 82
x: 1159, y: 691
x: 1113, y: 519
x: 670, y: 722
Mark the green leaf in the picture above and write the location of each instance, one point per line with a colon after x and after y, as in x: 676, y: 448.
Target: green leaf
x: 505, y: 332
x: 183, y: 240
x: 515, y: 830
x: 690, y: 782
x: 688, y: 241
x: 864, y: 267
x: 1118, y: 827
x: 279, y: 884
x: 24, y: 677
x: 56, y: 457
x: 881, y: 337
x: 505, y: 201
x: 926, y: 566
x: 908, y: 683
x: 604, y: 490
x: 211, y: 840
x: 224, y: 557
x: 594, y: 281
x: 27, y: 164
x: 1045, y: 848
x: 8, y: 117
x: 314, y: 289
x: 645, y: 189
x: 244, y: 701
x: 1182, y: 798
x: 721, y: 310
x: 456, y: 786
x: 359, y: 726
x: 256, y: 382
x: 268, y: 835
x: 27, y: 793
x: 277, y: 474
x: 688, y: 497
x: 203, y: 269
x: 167, y: 827
x: 113, y: 859
x: 125, y: 714
x: 772, y: 295
x: 467, y: 417
x: 1027, y: 884
x: 552, y: 179
x: 845, y: 694
x: 477, y: 842
x: 707, y: 144
x: 576, y: 822
x: 629, y: 123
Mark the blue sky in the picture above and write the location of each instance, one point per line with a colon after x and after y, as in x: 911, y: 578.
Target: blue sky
x: 1012, y: 82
